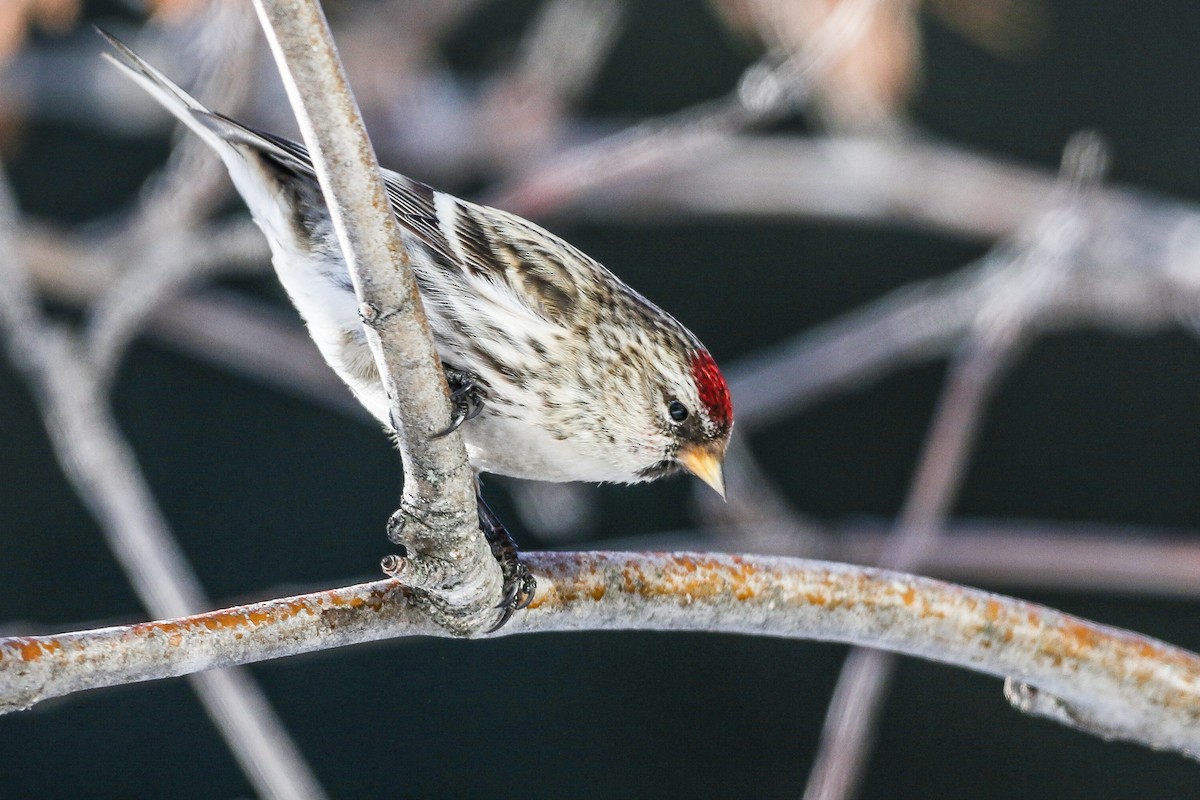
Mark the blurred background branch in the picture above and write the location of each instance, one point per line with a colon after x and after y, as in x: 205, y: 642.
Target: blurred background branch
x: 815, y: 117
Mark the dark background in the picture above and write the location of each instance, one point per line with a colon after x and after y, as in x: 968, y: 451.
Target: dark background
x: 269, y: 493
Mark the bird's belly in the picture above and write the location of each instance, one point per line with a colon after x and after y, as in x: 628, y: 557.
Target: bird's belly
x: 508, y: 446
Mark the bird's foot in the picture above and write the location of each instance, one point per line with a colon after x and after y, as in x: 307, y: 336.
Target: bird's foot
x: 467, y: 396
x: 519, y: 585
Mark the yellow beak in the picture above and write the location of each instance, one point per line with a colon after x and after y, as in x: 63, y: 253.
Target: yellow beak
x: 704, y: 461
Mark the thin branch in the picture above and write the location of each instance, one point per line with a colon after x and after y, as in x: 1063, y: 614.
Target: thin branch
x: 848, y: 733
x: 769, y: 90
x: 1141, y: 272
x: 1039, y: 554
x: 913, y: 181
x: 163, y: 268
x: 1053, y: 555
x: 563, y: 49
x: 105, y: 473
x: 1130, y: 686
x: 1005, y: 320
x: 447, y: 552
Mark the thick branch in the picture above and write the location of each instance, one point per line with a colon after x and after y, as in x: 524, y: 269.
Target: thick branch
x: 441, y: 530
x: 1127, y: 686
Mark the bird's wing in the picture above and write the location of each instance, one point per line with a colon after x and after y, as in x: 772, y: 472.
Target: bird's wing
x: 511, y: 266
x: 530, y: 267
x: 496, y: 255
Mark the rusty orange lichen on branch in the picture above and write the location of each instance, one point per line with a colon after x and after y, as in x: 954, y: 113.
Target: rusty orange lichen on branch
x: 1135, y: 687
x: 31, y: 648
x: 693, y: 577
x: 255, y: 616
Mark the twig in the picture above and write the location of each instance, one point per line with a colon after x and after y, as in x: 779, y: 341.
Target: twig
x: 768, y: 90
x: 106, y: 475
x: 163, y: 268
x: 848, y: 734
x: 1141, y: 272
x: 1078, y: 556
x: 447, y: 552
x: 910, y: 180
x: 1138, y: 688
x: 1053, y: 555
x: 1005, y: 320
x: 564, y: 47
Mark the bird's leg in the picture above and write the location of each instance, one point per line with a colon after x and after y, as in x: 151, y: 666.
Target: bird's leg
x: 519, y: 585
x: 466, y: 395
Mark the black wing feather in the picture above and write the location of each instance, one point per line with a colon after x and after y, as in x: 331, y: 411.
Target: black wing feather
x: 411, y: 200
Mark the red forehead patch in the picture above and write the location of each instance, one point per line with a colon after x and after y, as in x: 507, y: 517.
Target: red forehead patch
x: 714, y: 393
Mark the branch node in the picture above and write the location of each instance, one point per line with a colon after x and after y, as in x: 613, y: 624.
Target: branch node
x: 392, y: 565
x: 404, y: 524
x: 372, y: 317
x: 1040, y: 703
x: 423, y: 574
x: 435, y: 584
x: 415, y: 523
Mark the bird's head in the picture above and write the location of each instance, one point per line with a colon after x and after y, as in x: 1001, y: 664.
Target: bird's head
x: 695, y: 416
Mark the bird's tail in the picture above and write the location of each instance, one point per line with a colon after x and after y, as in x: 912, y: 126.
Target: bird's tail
x: 169, y: 95
x: 218, y: 132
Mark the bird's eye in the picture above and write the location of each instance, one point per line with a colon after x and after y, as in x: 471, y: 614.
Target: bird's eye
x: 678, y: 411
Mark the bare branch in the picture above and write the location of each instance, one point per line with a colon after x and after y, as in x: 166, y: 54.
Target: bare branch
x: 1058, y: 556
x: 564, y: 47
x: 1134, y: 687
x: 105, y: 473
x: 447, y: 552
x: 848, y: 734
x: 766, y: 91
x: 1004, y: 321
x: 163, y: 267
x: 1138, y: 270
x: 1077, y: 556
x: 912, y: 180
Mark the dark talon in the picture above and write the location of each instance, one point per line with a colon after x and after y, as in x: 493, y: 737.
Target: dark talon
x: 476, y: 408
x: 519, y: 586
x: 508, y: 602
x: 529, y: 588
x: 455, y: 422
x: 508, y: 612
x: 467, y: 397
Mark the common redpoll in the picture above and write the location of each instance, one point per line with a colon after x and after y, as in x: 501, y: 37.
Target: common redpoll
x: 560, y: 371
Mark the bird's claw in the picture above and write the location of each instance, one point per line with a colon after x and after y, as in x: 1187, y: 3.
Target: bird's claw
x: 519, y: 589
x: 467, y: 396
x: 519, y: 585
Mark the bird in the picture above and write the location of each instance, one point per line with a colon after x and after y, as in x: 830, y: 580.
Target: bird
x: 558, y: 370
